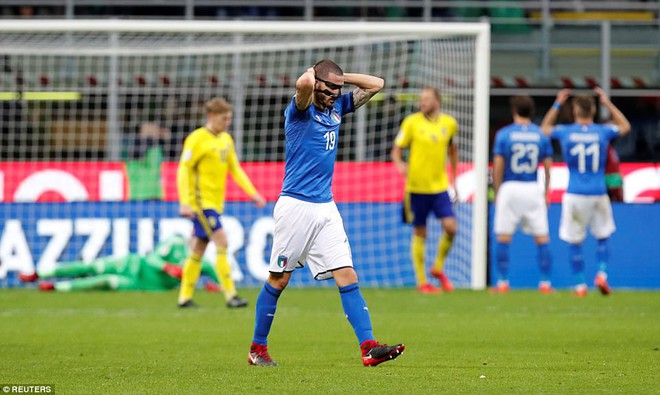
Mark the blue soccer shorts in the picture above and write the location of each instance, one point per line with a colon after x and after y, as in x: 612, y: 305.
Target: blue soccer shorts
x: 417, y: 207
x: 206, y: 223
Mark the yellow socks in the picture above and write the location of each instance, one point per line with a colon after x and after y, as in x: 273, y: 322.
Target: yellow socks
x: 189, y: 276
x: 418, y: 259
x: 224, y: 273
x: 445, y: 245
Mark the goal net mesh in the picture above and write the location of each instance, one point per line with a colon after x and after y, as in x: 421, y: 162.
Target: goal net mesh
x: 93, y: 124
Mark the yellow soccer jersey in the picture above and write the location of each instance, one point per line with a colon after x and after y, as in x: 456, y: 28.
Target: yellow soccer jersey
x: 428, y: 142
x: 202, y: 172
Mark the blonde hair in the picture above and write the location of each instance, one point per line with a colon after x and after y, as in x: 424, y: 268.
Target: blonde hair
x: 218, y: 105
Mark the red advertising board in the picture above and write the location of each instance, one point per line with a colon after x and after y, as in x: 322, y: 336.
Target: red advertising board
x: 62, y: 181
x: 353, y: 181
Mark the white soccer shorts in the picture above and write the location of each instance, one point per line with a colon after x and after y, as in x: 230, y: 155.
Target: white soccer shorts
x: 309, y: 233
x: 581, y: 211
x: 521, y: 203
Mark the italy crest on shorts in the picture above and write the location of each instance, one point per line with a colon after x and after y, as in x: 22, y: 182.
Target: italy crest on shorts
x: 282, y: 260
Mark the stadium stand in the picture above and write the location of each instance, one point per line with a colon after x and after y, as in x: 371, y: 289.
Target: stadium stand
x: 537, y: 47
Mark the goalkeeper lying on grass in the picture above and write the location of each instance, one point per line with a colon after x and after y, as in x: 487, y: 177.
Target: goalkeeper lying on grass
x: 156, y: 271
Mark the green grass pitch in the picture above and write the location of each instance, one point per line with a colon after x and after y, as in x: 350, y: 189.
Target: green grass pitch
x: 523, y: 342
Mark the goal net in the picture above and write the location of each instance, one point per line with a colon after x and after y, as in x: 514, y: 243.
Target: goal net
x: 94, y: 113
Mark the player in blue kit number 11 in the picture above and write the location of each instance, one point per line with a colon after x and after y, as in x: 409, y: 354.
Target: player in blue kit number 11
x: 585, y: 204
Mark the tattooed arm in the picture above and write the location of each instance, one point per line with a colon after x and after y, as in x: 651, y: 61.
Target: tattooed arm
x: 367, y: 87
x: 305, y: 89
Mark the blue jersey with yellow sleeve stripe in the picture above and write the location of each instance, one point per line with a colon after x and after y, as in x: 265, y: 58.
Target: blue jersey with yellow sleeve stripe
x: 428, y: 141
x: 202, y: 173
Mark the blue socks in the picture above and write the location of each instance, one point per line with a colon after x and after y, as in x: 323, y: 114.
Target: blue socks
x: 502, y: 261
x: 545, y: 261
x: 354, y: 305
x: 266, y: 305
x: 502, y: 257
x: 577, y: 262
x: 357, y: 312
x: 602, y: 255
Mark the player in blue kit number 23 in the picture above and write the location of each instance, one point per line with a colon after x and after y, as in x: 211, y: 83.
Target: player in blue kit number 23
x: 518, y: 151
x: 308, y: 227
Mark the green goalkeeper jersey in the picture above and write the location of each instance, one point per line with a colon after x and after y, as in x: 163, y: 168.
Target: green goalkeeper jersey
x: 132, y: 272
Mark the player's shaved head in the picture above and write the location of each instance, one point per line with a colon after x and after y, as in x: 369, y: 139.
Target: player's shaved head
x: 325, y: 67
x: 218, y: 105
x: 584, y: 106
x: 522, y: 105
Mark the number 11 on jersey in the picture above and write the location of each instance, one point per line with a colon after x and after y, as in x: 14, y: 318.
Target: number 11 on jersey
x: 581, y: 151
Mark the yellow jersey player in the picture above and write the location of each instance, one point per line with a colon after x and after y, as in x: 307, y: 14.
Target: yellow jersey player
x: 429, y: 135
x: 208, y: 154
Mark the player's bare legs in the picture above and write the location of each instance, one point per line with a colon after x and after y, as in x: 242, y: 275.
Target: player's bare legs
x: 279, y: 280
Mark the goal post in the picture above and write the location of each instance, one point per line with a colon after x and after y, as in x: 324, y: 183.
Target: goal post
x: 93, y: 115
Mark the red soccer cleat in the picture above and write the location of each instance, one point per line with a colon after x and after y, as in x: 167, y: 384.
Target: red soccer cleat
x: 546, y: 288
x: 429, y: 289
x: 502, y: 287
x: 580, y: 291
x: 212, y: 287
x: 258, y: 356
x: 374, y: 353
x: 601, y: 282
x: 28, y: 278
x: 46, y: 286
x: 444, y: 280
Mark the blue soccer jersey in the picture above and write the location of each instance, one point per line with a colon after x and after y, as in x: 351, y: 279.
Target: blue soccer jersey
x: 523, y: 147
x: 311, y: 137
x: 584, y: 148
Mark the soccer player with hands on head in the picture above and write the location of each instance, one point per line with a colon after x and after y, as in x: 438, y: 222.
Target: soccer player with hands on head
x: 208, y: 155
x: 584, y: 145
x: 518, y: 151
x: 430, y: 136
x: 308, y: 227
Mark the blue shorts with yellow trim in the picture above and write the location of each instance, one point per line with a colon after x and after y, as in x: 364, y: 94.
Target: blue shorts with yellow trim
x: 417, y: 206
x: 205, y: 223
